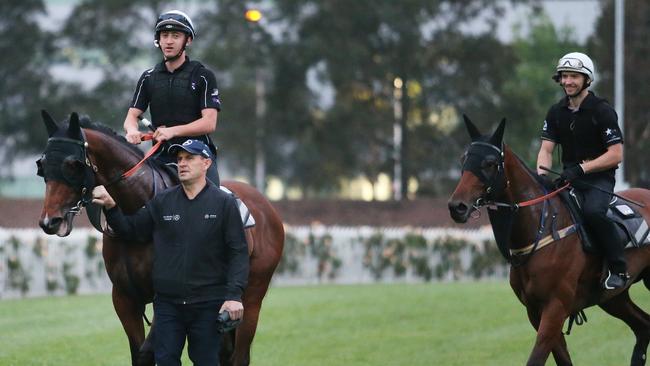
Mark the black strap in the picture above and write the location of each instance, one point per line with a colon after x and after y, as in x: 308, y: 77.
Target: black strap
x: 579, y: 318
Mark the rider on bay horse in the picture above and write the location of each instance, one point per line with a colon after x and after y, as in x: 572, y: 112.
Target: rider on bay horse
x: 586, y: 127
x: 182, y: 94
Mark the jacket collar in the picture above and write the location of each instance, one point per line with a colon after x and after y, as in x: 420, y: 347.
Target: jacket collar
x: 590, y: 101
x: 160, y: 67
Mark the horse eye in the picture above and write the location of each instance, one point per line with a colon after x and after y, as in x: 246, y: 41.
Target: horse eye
x: 71, y: 168
x: 488, y: 163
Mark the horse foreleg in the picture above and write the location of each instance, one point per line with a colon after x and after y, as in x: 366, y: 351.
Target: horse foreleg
x: 130, y: 314
x: 560, y: 350
x: 549, y: 336
x: 624, y: 308
x: 246, y: 331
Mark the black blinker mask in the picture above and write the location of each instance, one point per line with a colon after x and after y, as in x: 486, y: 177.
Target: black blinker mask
x: 485, y: 161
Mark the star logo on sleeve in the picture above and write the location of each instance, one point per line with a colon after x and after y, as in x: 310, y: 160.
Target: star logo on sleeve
x: 609, y: 132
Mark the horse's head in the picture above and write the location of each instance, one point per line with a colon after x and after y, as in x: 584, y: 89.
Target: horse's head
x: 483, y: 174
x: 68, y: 175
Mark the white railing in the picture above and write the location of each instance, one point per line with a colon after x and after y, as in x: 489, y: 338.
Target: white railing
x: 35, y: 264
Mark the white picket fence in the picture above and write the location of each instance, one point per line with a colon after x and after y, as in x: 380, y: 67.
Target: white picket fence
x: 35, y: 264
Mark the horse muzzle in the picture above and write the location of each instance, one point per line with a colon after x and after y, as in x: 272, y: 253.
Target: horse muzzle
x: 56, y: 225
x: 459, y: 211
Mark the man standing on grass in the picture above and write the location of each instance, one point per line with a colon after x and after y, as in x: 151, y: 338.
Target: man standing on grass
x: 200, y: 265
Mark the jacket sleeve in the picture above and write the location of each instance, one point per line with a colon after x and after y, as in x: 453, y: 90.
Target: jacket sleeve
x: 607, y: 120
x: 208, y: 90
x: 235, y: 240
x: 549, y: 129
x: 138, y: 227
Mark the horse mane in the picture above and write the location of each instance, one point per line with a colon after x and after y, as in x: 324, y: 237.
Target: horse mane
x: 86, y: 122
x: 532, y: 173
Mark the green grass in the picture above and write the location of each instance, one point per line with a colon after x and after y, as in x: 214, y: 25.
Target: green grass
x: 431, y: 324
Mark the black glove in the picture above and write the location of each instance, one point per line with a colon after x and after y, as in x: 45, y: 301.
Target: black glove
x: 572, y: 173
x: 225, y: 324
x: 546, y: 181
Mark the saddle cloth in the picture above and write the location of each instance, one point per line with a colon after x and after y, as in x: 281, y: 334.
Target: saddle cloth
x: 246, y: 218
x: 631, y: 228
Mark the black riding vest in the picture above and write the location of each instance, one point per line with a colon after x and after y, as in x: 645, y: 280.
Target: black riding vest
x: 175, y: 98
x: 579, y: 133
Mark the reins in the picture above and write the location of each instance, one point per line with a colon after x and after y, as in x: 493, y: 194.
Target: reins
x: 543, y: 198
x: 154, y: 148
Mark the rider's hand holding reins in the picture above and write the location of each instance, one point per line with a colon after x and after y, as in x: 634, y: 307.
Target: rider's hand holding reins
x: 164, y: 133
x: 572, y: 173
x: 133, y: 136
x: 101, y: 197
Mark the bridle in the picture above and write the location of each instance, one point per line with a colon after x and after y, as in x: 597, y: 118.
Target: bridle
x: 64, y: 150
x: 495, y: 182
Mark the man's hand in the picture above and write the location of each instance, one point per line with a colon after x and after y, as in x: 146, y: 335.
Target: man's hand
x: 101, y: 197
x: 572, y: 173
x: 164, y: 133
x: 133, y: 136
x: 547, y: 181
x: 234, y: 308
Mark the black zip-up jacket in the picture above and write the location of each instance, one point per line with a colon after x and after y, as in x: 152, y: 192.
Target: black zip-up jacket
x: 200, y: 249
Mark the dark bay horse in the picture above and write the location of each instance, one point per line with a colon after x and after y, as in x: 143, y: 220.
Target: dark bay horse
x: 557, y: 279
x: 76, y: 159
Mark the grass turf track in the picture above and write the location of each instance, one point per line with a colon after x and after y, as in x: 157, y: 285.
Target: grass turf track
x: 473, y: 323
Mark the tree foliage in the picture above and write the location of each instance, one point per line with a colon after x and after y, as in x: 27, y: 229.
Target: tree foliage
x: 636, y: 78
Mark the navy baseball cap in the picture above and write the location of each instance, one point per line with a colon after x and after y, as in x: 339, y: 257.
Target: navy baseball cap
x: 194, y: 147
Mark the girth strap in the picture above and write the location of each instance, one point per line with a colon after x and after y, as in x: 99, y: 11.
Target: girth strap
x: 545, y: 241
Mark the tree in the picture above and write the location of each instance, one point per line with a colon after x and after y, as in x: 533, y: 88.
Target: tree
x: 637, y: 81
x: 26, y: 85
x: 363, y: 46
x: 529, y: 91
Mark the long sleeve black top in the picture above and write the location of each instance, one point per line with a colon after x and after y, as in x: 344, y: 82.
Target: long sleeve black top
x: 200, y: 249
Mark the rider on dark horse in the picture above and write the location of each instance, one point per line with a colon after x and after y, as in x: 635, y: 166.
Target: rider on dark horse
x: 182, y: 94
x: 586, y: 127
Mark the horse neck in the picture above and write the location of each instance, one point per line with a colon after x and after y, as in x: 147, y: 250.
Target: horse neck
x: 112, y: 159
x: 522, y: 186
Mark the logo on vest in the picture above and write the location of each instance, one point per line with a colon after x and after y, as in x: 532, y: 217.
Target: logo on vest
x: 210, y: 216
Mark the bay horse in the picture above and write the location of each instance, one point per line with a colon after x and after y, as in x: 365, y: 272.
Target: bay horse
x: 82, y: 155
x: 554, y: 278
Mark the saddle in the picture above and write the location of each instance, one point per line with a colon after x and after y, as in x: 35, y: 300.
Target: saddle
x: 631, y: 228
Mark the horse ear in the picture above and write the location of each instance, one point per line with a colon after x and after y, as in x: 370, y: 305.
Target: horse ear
x: 497, y: 136
x: 74, y: 131
x: 473, y: 131
x: 50, y: 124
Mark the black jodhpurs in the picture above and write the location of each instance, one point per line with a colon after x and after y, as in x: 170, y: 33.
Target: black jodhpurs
x: 594, y: 207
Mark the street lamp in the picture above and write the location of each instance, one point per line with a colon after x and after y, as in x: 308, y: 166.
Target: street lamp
x: 254, y: 16
x: 398, y: 84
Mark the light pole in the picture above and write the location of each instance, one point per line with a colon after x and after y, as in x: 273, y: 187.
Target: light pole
x: 398, y: 85
x: 619, y: 81
x: 254, y: 16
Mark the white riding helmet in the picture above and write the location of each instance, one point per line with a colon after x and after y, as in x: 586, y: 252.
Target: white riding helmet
x: 576, y: 62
